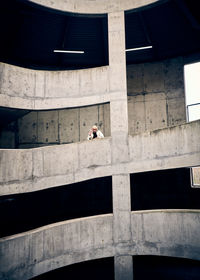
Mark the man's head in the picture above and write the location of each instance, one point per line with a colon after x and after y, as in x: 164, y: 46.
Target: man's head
x: 94, y: 128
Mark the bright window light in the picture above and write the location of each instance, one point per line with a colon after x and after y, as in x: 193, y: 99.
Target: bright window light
x: 192, y: 90
x: 67, y: 51
x: 140, y: 48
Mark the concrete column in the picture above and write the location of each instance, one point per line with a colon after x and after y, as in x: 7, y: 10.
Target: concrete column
x: 118, y: 85
x: 119, y: 133
x: 123, y: 268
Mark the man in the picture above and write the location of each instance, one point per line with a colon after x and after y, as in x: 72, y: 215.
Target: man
x: 94, y: 133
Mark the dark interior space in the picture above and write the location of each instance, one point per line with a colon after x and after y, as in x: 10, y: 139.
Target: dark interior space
x: 163, y: 189
x: 22, y: 212
x: 171, y: 27
x: 165, y: 268
x: 30, y: 33
x: 91, y: 270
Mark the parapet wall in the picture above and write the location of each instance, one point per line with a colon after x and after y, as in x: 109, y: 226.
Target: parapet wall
x: 160, y: 232
x: 95, y: 6
x: 33, y: 89
x: 40, y: 168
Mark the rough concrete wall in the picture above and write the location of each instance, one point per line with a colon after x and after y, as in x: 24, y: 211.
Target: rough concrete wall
x: 160, y: 232
x: 62, y: 126
x: 156, y: 97
x: 36, y: 169
x: 44, y: 90
x: 94, y: 6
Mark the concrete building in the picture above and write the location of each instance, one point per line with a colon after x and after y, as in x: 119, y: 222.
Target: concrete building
x: 121, y: 207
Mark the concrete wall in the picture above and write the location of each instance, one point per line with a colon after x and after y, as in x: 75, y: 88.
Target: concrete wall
x: 166, y: 233
x: 156, y: 97
x: 95, y: 6
x: 52, y: 89
x: 46, y: 167
x: 62, y: 126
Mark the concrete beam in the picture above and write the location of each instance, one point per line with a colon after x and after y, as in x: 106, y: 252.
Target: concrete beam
x: 39, y: 90
x: 32, y: 253
x: 45, y: 167
x: 95, y: 6
x: 173, y: 233
x: 166, y: 233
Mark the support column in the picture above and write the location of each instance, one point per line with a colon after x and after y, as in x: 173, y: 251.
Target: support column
x: 118, y: 87
x: 119, y: 133
x: 123, y: 267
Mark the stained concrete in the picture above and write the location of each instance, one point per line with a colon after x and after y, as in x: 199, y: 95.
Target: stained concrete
x: 94, y: 7
x: 124, y: 234
x: 156, y: 97
x: 52, y: 166
x: 161, y: 232
x: 52, y: 89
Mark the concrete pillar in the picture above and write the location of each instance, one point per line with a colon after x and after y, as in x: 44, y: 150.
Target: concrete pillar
x: 123, y: 268
x: 119, y: 133
x: 118, y: 85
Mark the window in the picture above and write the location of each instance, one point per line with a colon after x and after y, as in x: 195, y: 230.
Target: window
x: 192, y: 94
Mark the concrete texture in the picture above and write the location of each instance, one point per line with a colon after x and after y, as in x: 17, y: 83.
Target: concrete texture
x: 167, y: 233
x: 41, y: 128
x: 173, y: 147
x: 155, y: 90
x: 156, y: 97
x: 52, y: 89
x: 26, y: 255
x: 35, y: 169
x: 94, y: 6
x: 172, y: 233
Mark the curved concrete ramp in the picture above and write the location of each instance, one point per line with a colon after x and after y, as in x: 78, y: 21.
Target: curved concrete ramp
x: 54, y: 246
x: 40, y: 90
x: 41, y: 168
x: 172, y: 233
x: 95, y: 6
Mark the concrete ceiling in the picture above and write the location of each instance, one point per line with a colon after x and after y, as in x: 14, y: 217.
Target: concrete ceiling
x: 30, y: 33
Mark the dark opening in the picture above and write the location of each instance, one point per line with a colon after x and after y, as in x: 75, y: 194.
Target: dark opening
x: 165, y: 268
x: 30, y: 33
x: 164, y: 189
x: 90, y: 270
x: 22, y: 212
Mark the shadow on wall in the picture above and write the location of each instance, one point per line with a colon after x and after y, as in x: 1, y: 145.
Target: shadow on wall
x: 24, y: 212
x: 91, y: 270
x: 164, y: 189
x: 42, y: 128
x: 165, y: 268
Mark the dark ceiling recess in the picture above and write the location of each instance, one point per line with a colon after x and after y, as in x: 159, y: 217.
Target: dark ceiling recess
x: 30, y: 33
x: 171, y: 27
x: 8, y: 115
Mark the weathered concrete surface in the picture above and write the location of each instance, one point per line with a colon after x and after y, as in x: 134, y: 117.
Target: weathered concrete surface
x: 40, y: 168
x: 26, y: 255
x: 52, y: 89
x: 156, y: 97
x: 167, y: 233
x: 119, y: 148
x: 123, y: 267
x: 62, y: 126
x: 173, y: 147
x: 94, y: 6
x: 172, y: 233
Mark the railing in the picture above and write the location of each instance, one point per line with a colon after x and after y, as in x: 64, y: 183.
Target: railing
x: 193, y: 113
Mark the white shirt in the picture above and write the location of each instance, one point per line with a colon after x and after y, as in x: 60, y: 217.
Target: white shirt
x: 99, y: 135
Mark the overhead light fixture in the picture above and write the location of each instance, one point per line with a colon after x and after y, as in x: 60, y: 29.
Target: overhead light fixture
x: 137, y: 49
x: 65, y: 51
